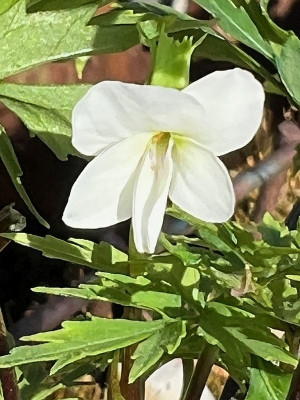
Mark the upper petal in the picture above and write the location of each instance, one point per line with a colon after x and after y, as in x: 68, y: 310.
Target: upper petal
x: 201, y: 185
x: 102, y: 194
x: 111, y: 111
x: 150, y: 196
x: 232, y: 108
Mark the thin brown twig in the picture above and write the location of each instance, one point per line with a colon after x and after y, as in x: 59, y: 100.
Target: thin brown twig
x: 270, y: 168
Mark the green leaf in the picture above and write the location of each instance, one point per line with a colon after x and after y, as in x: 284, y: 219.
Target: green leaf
x: 294, y: 277
x: 12, y: 165
x: 121, y: 289
x: 235, y: 241
x: 149, y: 20
x: 6, y: 5
x: 287, y: 58
x: 189, y: 278
x: 232, y: 263
x: 151, y: 14
x: 51, y: 5
x: 45, y: 393
x: 31, y: 381
x: 267, y: 28
x: 237, y: 333
x: 117, y: 17
x: 71, y: 373
x: 115, y: 38
x: 235, y: 21
x: 180, y: 250
x: 217, y: 49
x: 65, y: 32
x: 46, y: 111
x: 284, y: 300
x: 268, y: 382
x: 57, y: 29
x: 79, y: 339
x: 190, y: 347
x: 152, y: 349
x: 158, y: 9
x: 274, y: 232
x: 101, y: 256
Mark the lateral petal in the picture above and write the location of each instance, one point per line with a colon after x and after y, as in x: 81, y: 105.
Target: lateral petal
x: 102, y: 194
x: 232, y: 108
x: 201, y: 185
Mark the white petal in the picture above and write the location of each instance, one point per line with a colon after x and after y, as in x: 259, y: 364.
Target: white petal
x: 201, y: 185
x: 150, y: 197
x: 102, y: 194
x: 232, y: 103
x: 112, y: 111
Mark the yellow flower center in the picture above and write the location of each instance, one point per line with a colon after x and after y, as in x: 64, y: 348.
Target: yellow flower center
x: 158, y: 147
x: 159, y: 136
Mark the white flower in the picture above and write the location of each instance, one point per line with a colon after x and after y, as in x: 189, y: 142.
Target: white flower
x: 152, y: 142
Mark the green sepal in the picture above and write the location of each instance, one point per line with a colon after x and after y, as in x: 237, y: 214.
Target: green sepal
x: 171, y: 60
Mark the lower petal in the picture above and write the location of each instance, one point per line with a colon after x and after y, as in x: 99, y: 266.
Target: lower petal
x: 102, y: 194
x: 150, y: 197
x: 201, y: 185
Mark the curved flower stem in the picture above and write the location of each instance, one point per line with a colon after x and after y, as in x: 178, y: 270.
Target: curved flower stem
x: 7, y: 376
x: 136, y: 390
x: 133, y: 391
x: 202, y: 370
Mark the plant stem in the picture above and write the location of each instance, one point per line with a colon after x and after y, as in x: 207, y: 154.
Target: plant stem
x: 294, y: 393
x: 188, y: 369
x: 133, y: 391
x: 293, y: 340
x: 202, y: 370
x: 7, y: 376
x: 136, y: 390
